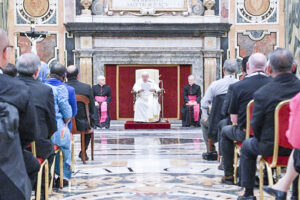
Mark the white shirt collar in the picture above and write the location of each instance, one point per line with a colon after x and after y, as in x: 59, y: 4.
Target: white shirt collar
x: 1, y: 72
x: 229, y: 76
x: 256, y: 73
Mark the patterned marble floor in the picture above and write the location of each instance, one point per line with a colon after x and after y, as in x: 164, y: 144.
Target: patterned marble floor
x: 147, y: 165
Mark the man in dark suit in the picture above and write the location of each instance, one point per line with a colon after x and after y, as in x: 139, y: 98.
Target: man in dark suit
x: 284, y: 86
x: 82, y: 123
x: 42, y: 97
x: 43, y: 100
x: 15, y: 182
x: 242, y: 94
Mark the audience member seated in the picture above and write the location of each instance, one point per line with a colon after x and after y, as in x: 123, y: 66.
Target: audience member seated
x: 102, y: 94
x: 216, y: 89
x: 284, y: 86
x: 71, y: 91
x: 17, y: 129
x: 63, y: 115
x: 82, y: 123
x: 10, y: 70
x: 280, y: 189
x: 191, y: 111
x: 242, y: 94
x: 43, y: 100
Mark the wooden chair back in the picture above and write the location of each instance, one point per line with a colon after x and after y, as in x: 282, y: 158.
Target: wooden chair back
x: 249, y: 130
x: 86, y: 101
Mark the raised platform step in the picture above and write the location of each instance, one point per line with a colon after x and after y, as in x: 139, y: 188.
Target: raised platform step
x: 156, y: 125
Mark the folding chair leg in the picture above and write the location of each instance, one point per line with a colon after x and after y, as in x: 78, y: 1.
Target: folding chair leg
x: 278, y: 173
x: 235, y: 165
x: 261, y: 179
x: 52, y: 169
x: 61, y: 169
x: 39, y: 184
x: 92, y: 145
x: 38, y: 192
x: 46, y: 180
x: 270, y: 175
x: 83, y: 147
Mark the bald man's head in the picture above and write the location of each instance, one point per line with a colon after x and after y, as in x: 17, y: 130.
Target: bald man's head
x: 4, y: 44
x: 257, y: 62
x: 72, y: 72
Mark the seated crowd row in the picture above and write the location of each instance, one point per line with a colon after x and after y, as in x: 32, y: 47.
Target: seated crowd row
x: 267, y: 82
x: 38, y: 110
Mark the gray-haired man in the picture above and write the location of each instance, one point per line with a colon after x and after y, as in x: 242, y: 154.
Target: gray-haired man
x: 219, y: 87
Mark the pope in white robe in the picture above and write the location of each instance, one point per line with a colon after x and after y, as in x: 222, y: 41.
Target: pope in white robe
x: 146, y: 107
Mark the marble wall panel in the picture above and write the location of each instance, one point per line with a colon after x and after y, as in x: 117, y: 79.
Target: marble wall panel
x: 247, y: 45
x: 292, y: 14
x: 47, y: 48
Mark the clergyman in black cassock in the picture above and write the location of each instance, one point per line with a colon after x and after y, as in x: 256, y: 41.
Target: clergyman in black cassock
x: 102, y: 92
x: 188, y: 117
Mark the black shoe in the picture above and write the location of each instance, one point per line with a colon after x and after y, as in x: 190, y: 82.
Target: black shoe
x: 210, y: 156
x: 57, y: 183
x: 228, y: 180
x: 275, y: 193
x: 86, y: 156
x: 246, y: 198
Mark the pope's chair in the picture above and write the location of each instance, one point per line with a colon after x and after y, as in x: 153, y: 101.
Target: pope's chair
x: 249, y: 133
x: 281, y: 123
x: 154, y: 75
x: 44, y: 166
x: 85, y: 101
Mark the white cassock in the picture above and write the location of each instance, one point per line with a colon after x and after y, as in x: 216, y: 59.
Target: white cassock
x: 146, y: 107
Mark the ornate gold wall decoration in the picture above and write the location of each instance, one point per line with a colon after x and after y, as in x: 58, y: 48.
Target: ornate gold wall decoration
x: 257, y: 7
x: 39, y: 11
x: 257, y: 11
x: 36, y: 8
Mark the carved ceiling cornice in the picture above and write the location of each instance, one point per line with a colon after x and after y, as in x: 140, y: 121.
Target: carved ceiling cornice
x: 148, y: 30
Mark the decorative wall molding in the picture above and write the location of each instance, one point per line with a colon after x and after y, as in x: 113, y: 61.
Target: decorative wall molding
x: 39, y: 11
x: 257, y: 11
x: 248, y: 42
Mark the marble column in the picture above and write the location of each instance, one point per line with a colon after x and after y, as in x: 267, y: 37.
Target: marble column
x: 211, y: 54
x: 86, y: 60
x: 86, y: 70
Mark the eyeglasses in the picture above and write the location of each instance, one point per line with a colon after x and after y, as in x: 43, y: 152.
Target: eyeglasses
x: 7, y: 47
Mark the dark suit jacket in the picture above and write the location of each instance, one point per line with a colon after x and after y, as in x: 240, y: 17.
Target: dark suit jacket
x: 226, y: 103
x: 15, y: 92
x: 283, y: 87
x: 81, y: 118
x: 43, y: 101
x: 242, y: 94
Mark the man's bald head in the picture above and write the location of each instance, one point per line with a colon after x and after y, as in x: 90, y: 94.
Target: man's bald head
x: 257, y: 62
x: 4, y: 43
x: 72, y: 72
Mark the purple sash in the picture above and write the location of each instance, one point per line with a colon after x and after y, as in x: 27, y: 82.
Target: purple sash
x: 193, y: 98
